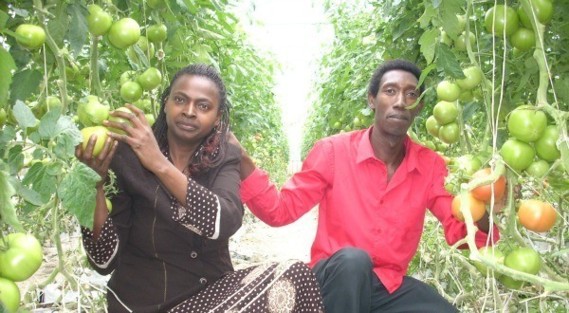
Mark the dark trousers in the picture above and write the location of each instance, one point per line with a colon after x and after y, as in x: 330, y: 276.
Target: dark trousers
x: 349, y: 285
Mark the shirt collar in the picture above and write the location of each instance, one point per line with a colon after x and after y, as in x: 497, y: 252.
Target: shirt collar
x: 365, y: 151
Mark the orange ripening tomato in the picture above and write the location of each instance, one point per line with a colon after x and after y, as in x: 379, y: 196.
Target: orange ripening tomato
x: 476, y: 207
x: 536, y: 215
x: 484, y: 192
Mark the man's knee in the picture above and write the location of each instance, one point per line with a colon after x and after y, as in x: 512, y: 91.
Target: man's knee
x: 353, y: 259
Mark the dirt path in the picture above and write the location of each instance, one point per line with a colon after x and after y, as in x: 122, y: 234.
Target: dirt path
x: 257, y: 242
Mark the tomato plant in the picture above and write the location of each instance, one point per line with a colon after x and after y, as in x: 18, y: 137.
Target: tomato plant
x: 448, y: 91
x: 9, y: 296
x: 98, y: 21
x: 91, y: 111
x: 523, y: 39
x: 526, y: 124
x: 517, y: 154
x: 21, y: 256
x: 131, y: 91
x: 484, y: 193
x: 475, y: 206
x: 124, y: 33
x: 101, y: 137
x: 157, y: 32
x: 30, y: 36
x: 150, y: 79
x: 546, y: 145
x: 501, y: 19
x: 473, y: 77
x: 536, y: 215
x: 493, y: 254
x: 445, y: 112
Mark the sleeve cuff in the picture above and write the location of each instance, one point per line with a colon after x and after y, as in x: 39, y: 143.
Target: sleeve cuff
x: 253, y: 185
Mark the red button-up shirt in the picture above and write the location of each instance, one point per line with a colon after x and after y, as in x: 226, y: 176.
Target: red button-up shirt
x: 358, y: 206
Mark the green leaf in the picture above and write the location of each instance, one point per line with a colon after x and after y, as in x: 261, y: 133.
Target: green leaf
x: 15, y: 159
x: 58, y: 26
x: 429, y: 14
x: 28, y: 194
x: 68, y: 137
x: 7, y: 65
x: 449, y: 9
x: 77, y: 33
x: 40, y: 181
x: 6, y: 135
x: 77, y: 192
x: 446, y: 60
x: 7, y: 210
x: 32, y: 80
x: 24, y: 115
x: 48, y: 125
x: 428, y: 43
x: 3, y: 19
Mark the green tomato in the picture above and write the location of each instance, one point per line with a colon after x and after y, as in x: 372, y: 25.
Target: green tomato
x: 127, y: 76
x: 101, y: 132
x: 546, y: 145
x: 523, y: 39
x: 9, y: 296
x: 449, y: 133
x: 150, y: 79
x: 91, y: 111
x: 524, y: 260
x: 98, y: 21
x: 21, y: 257
x: 30, y: 36
x: 432, y: 126
x: 447, y: 91
x: 500, y: 19
x: 124, y: 33
x: 473, y: 78
x: 157, y: 32
x: 538, y: 168
x: 527, y: 124
x: 445, y: 39
x: 156, y: 4
x: 460, y: 42
x: 468, y: 164
x: 517, y: 154
x: 543, y: 10
x: 491, y: 253
x: 466, y: 96
x: 150, y: 118
x: 461, y: 23
x: 118, y: 119
x: 131, y: 91
x: 144, y: 104
x: 445, y: 112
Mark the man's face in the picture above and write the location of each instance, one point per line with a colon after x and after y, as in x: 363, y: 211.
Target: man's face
x: 397, y: 91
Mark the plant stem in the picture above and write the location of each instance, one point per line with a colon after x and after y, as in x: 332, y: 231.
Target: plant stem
x: 95, y: 81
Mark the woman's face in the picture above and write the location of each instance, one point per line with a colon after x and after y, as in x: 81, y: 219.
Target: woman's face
x: 192, y: 109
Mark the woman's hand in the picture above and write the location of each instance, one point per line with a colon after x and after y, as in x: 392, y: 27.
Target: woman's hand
x: 139, y: 136
x: 101, y: 162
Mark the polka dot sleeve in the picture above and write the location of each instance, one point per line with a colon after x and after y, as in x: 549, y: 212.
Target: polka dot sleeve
x: 201, y: 213
x: 103, y: 250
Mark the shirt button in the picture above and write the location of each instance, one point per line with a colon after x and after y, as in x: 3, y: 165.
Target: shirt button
x: 203, y: 281
x: 193, y: 254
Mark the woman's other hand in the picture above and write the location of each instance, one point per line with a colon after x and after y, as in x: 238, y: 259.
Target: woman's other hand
x: 101, y: 162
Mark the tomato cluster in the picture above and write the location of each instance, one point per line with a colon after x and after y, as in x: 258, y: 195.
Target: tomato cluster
x: 20, y: 257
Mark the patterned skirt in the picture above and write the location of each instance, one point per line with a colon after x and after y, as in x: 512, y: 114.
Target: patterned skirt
x: 267, y: 288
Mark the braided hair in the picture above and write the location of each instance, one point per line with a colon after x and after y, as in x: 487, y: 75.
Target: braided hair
x: 212, y: 149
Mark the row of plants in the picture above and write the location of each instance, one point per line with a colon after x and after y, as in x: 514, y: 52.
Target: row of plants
x: 496, y: 109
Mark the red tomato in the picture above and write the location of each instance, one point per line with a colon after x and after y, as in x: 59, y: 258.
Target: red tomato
x: 476, y: 207
x: 536, y: 215
x: 484, y: 192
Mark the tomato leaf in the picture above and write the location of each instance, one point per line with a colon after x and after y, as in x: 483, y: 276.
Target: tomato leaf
x: 3, y: 19
x: 22, y: 91
x: 449, y: 10
x: 29, y: 195
x: 77, y: 33
x: 40, y: 181
x: 59, y: 25
x: 15, y: 159
x: 77, y: 192
x: 447, y: 61
x: 48, y: 125
x: 7, y: 65
x: 6, y: 135
x: 24, y: 115
x: 7, y: 210
x: 428, y: 44
x: 68, y: 137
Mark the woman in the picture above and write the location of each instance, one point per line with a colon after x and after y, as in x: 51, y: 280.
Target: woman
x: 166, y: 239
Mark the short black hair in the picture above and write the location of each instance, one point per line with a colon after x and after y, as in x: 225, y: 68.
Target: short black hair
x: 391, y: 65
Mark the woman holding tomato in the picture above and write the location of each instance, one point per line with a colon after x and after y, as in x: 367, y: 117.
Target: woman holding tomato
x: 166, y: 239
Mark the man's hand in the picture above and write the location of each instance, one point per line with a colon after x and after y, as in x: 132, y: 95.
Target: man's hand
x: 247, y: 164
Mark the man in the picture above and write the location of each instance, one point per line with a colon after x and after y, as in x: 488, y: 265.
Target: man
x: 373, y: 188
